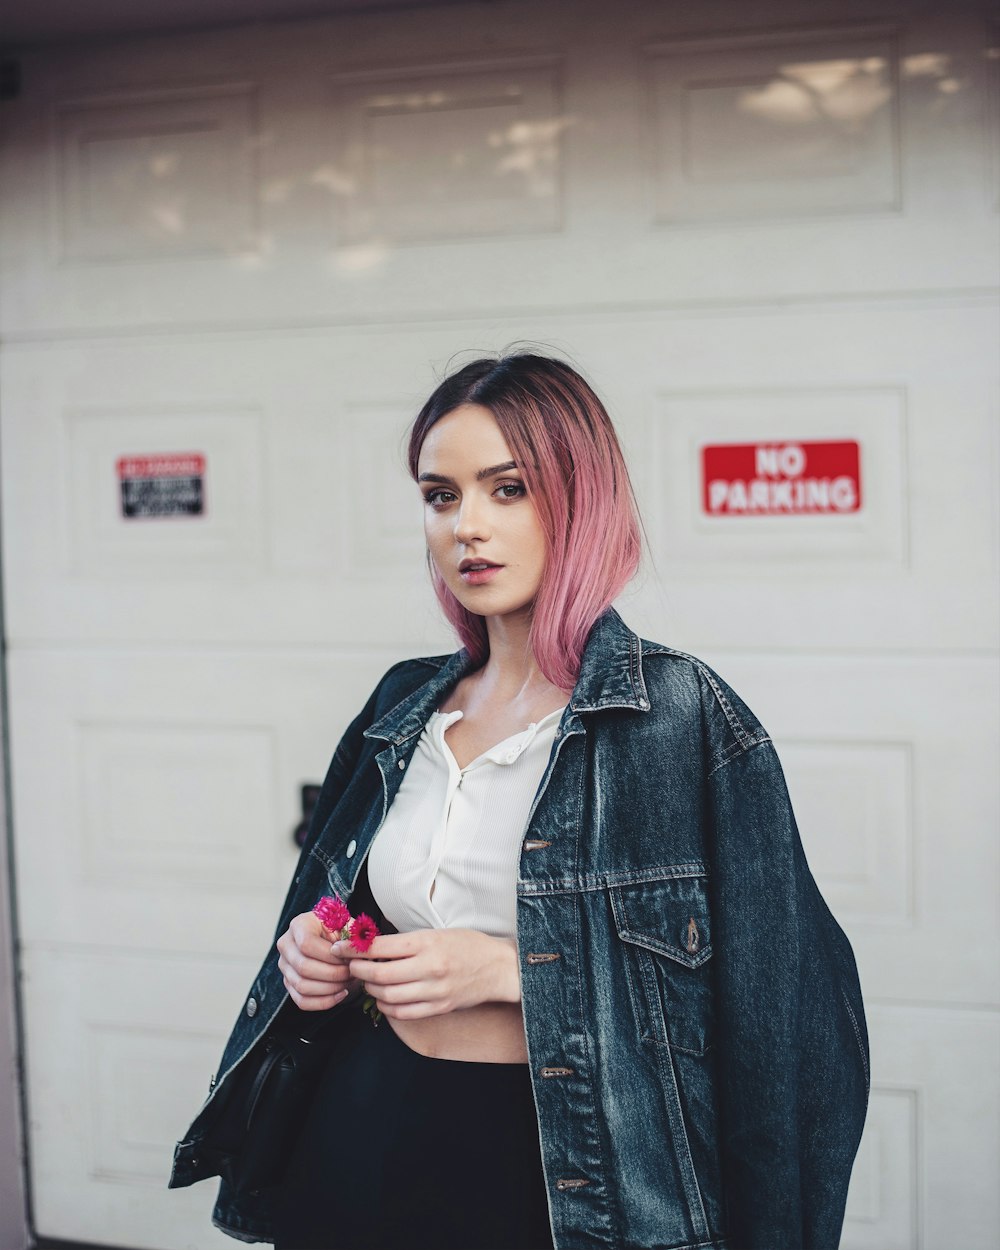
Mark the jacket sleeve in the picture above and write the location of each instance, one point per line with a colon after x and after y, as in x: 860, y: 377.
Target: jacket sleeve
x: 338, y: 777
x: 793, y: 1047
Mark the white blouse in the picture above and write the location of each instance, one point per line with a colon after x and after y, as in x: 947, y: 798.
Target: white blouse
x: 448, y: 851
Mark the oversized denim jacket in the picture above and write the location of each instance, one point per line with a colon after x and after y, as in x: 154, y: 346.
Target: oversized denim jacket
x: 695, y: 1030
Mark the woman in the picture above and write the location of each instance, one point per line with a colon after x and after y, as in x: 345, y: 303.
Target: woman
x: 616, y: 1010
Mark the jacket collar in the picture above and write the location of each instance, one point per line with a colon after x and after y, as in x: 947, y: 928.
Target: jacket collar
x: 611, y: 668
x: 610, y: 676
x: 411, y: 714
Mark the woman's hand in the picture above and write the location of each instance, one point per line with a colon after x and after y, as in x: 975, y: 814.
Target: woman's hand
x: 430, y: 972
x: 316, y: 977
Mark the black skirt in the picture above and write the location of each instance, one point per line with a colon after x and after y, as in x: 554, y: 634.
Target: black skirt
x: 399, y: 1150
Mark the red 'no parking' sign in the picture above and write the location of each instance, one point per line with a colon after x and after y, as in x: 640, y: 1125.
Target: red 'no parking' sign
x: 781, y: 479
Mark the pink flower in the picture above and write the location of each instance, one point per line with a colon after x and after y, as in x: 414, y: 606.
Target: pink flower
x: 364, y: 931
x: 332, y: 912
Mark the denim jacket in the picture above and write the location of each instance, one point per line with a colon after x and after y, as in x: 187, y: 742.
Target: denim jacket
x: 695, y: 1030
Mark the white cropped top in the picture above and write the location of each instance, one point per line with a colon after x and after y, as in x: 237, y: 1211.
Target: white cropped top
x: 448, y: 850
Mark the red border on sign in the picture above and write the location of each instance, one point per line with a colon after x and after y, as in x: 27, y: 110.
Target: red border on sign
x: 161, y: 464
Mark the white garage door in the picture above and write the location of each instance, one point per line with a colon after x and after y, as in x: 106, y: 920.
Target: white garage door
x: 232, y: 263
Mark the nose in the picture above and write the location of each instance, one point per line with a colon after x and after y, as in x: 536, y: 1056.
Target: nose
x: 470, y: 521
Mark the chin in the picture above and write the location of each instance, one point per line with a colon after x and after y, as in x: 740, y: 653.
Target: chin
x: 515, y: 609
x: 482, y: 605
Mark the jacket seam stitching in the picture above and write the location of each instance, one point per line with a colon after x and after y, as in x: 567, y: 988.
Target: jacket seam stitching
x: 635, y: 665
x: 735, y: 724
x: 636, y: 937
x: 327, y: 861
x: 341, y: 751
x: 676, y: 872
x: 663, y: 1055
x: 857, y: 1034
x: 602, y: 1170
x: 234, y: 1227
x: 435, y: 661
x: 630, y: 980
x: 724, y: 756
x: 610, y: 701
x: 736, y: 750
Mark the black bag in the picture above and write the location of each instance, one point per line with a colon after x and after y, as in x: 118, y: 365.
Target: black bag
x: 253, y: 1135
x: 262, y: 1110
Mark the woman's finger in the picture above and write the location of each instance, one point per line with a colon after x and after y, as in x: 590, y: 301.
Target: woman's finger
x: 306, y: 1003
x: 306, y: 934
x: 394, y: 971
x: 316, y: 992
x: 408, y: 1011
x: 315, y: 969
x: 293, y: 965
x: 431, y: 992
x: 306, y: 988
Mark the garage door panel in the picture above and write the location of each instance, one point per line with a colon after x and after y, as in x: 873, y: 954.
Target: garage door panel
x: 157, y: 174
x: 156, y: 800
x: 746, y: 127
x: 229, y: 538
x: 106, y: 1026
x: 915, y: 1182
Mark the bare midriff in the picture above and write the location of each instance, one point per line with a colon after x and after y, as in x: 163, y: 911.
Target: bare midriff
x: 486, y: 1033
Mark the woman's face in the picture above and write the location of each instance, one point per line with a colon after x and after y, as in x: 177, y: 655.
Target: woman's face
x: 476, y: 510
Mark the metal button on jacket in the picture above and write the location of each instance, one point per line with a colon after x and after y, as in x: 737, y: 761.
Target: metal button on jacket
x: 251, y: 1007
x: 352, y: 846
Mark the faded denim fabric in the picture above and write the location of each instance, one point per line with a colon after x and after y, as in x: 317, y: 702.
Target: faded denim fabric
x: 694, y: 1021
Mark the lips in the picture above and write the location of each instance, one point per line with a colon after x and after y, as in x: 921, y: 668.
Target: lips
x: 478, y: 572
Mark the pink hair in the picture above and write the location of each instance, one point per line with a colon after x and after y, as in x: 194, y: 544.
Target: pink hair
x: 562, y: 439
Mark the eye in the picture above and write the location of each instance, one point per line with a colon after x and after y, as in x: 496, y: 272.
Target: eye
x: 433, y: 497
x: 518, y: 488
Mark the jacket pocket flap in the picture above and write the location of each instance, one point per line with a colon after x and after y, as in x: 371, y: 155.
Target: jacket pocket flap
x: 669, y: 916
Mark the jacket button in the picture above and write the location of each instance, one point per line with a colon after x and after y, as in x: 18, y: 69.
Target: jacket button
x: 536, y: 844
x: 542, y: 957
x: 401, y: 763
x: 251, y: 1007
x: 352, y: 846
x: 574, y: 1183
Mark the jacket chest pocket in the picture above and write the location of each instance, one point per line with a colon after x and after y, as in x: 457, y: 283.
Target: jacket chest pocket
x: 666, y: 936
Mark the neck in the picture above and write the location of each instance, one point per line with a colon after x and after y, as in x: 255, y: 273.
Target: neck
x: 511, y: 671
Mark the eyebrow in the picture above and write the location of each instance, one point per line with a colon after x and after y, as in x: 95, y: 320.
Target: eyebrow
x: 493, y: 471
